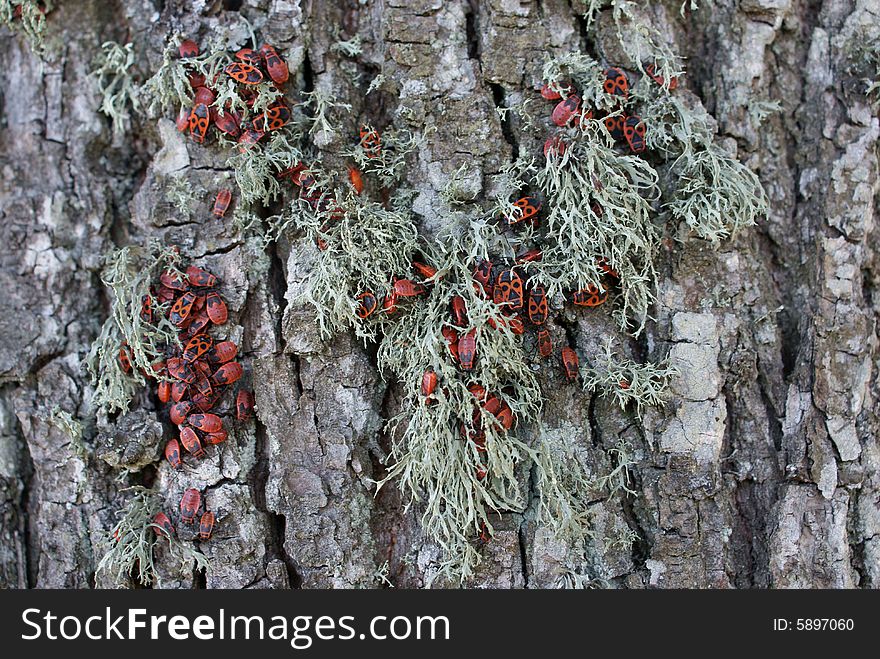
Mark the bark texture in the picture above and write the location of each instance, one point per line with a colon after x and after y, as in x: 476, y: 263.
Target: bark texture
x: 764, y: 469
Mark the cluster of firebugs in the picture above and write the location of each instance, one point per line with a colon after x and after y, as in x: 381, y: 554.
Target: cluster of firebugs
x: 503, y: 284
x: 251, y: 68
x: 204, y: 369
x: 192, y: 379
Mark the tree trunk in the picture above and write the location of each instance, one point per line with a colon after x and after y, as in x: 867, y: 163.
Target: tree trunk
x: 761, y: 470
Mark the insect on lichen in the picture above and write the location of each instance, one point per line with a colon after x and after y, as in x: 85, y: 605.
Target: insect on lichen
x: 29, y: 18
x: 128, y: 549
x: 128, y: 274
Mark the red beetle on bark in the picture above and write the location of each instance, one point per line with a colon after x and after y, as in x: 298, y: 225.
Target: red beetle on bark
x: 228, y: 373
x: 244, y: 405
x: 172, y: 454
x: 179, y: 411
x: 223, y: 352
x: 206, y: 525
x: 191, y: 443
x: 408, y: 288
x: 205, y: 422
x: 570, y: 363
x: 189, y: 505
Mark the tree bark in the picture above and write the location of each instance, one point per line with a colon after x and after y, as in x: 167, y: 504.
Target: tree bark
x: 763, y: 470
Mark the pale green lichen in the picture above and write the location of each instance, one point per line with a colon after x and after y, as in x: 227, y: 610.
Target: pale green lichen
x: 169, y: 88
x: 182, y: 195
x: 113, y: 72
x: 365, y: 247
x: 128, y: 549
x: 350, y: 48
x: 715, y: 194
x: 627, y: 381
x: 71, y: 427
x: 432, y: 459
x: 128, y: 274
x: 29, y: 18
x: 640, y: 41
x: 388, y: 166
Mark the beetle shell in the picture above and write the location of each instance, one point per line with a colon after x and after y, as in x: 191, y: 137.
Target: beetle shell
x: 179, y: 390
x: 650, y: 69
x: 248, y: 56
x: 367, y: 304
x: 205, y: 422
x: 204, y: 96
x: 530, y: 255
x: 429, y: 382
x: 459, y: 311
x: 124, y: 360
x: 425, y: 270
x: 179, y: 412
x: 199, y: 120
x: 197, y: 347
x: 228, y: 373
x: 162, y: 525
x: 389, y: 304
x: 206, y: 525
x: 182, y: 308
x: 217, y: 310
x: 408, y: 288
x: 227, y: 122
x: 554, y: 147
x: 483, y: 281
x: 221, y: 202
x: 570, y: 363
x: 273, y: 118
x: 505, y: 416
x: 478, y: 390
x: 356, y: 179
x: 244, y: 73
x: 276, y: 66
x: 191, y: 442
x: 188, y: 48
x: 616, y: 82
x: 508, y: 290
x: 172, y: 453
x: 370, y: 142
x: 248, y: 138
x: 467, y: 350
x: 545, y: 344
x: 172, y: 280
x: 223, y: 352
x: 244, y: 404
x: 163, y: 391
x: 179, y: 370
x: 566, y: 110
x: 591, y: 296
x: 189, y: 505
x: 614, y: 125
x: 215, y: 438
x: 527, y: 208
x: 200, y: 278
x: 634, y: 131
x: 451, y: 338
x: 538, y: 308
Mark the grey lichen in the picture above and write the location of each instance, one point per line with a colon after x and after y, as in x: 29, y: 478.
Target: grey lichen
x: 627, y: 381
x: 113, y: 72
x: 128, y: 548
x: 128, y: 274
